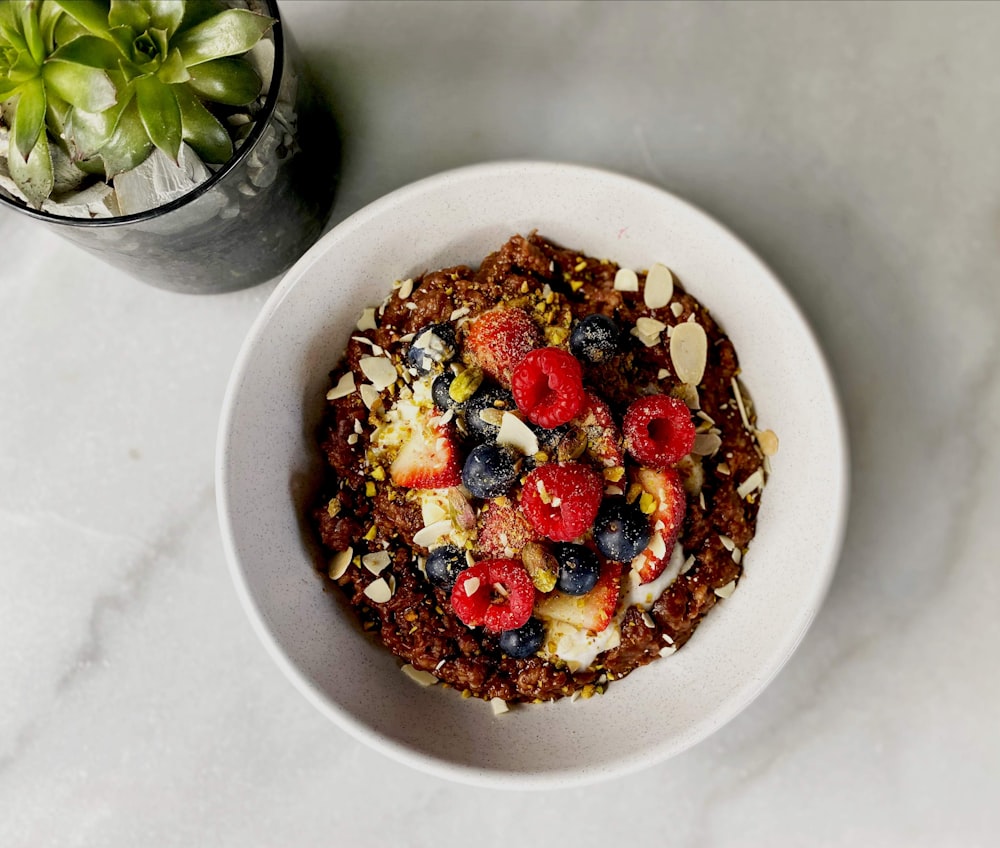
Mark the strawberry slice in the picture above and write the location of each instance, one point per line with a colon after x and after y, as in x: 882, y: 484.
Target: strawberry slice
x: 592, y: 611
x: 428, y: 460
x: 505, y: 530
x: 665, y: 519
x: 500, y: 339
x: 604, y: 443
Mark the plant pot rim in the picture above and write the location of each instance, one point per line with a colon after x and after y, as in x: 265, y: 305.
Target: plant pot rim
x: 244, y: 151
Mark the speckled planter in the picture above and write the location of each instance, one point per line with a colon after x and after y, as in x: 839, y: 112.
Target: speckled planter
x: 252, y: 219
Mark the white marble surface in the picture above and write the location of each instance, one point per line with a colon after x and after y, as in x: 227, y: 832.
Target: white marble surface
x: 854, y: 146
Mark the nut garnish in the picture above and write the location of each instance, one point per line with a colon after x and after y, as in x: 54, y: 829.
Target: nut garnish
x: 648, y: 331
x: 405, y: 289
x: 706, y: 444
x: 727, y: 590
x: 689, y: 352
x: 464, y: 385
x: 378, y: 591
x: 542, y: 567
x: 345, y: 385
x: 369, y: 394
x: 515, y: 433
x: 378, y: 369
x: 659, y: 286
x: 424, y: 678
x: 429, y: 535
x: 626, y: 280
x: 768, y: 441
x: 499, y: 706
x: 367, y: 319
x: 668, y: 650
x: 376, y: 562
x: 339, y: 563
x: 752, y: 483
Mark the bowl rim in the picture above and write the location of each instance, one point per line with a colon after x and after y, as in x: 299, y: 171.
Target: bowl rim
x: 506, y: 778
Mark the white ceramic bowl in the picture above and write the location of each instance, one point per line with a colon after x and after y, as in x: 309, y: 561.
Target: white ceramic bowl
x: 267, y: 464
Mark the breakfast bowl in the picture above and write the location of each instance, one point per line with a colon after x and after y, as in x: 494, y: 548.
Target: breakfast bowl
x: 269, y: 468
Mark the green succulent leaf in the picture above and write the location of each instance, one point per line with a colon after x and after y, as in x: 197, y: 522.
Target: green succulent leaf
x: 206, y: 136
x: 173, y: 71
x: 89, y: 50
x: 33, y: 33
x: 67, y: 29
x: 85, y: 88
x: 87, y: 132
x: 164, y: 14
x: 91, y: 14
x: 48, y: 18
x: 8, y: 88
x: 227, y: 34
x: 129, y: 144
x: 123, y: 37
x: 29, y: 118
x: 33, y: 175
x: 160, y: 114
x: 23, y: 69
x: 231, y: 80
x: 128, y: 13
x: 199, y: 11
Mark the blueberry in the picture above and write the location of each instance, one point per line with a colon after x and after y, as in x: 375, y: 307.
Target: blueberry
x: 594, y: 339
x: 444, y: 564
x: 579, y: 568
x: 621, y: 531
x: 439, y: 391
x: 524, y: 641
x: 433, y: 345
x: 489, y: 471
x: 493, y: 401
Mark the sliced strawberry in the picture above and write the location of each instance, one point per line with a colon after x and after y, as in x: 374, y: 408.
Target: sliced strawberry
x: 500, y: 339
x: 592, y: 611
x: 496, y: 593
x: 604, y: 443
x: 429, y: 460
x: 505, y: 530
x: 665, y: 520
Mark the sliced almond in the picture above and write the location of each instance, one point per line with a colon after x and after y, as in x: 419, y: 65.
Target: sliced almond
x: 378, y: 369
x: 345, y: 385
x: 706, y: 444
x: 626, y: 280
x: 689, y: 394
x: 659, y: 286
x: 499, y: 706
x: 668, y: 650
x: 339, y: 563
x: 369, y: 394
x: 768, y: 442
x: 378, y: 591
x: 405, y: 289
x: 471, y: 586
x: 424, y: 678
x: 518, y: 435
x: 376, y: 562
x: 727, y: 590
x: 689, y: 352
x: 367, y: 319
x: 429, y: 535
x: 752, y: 483
x: 677, y: 308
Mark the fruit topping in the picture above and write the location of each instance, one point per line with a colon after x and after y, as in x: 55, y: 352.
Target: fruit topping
x: 433, y: 345
x: 542, y: 566
x: 440, y: 391
x: 489, y: 471
x: 484, y: 413
x: 658, y: 430
x: 621, y: 530
x: 496, y: 593
x: 561, y: 501
x: 579, y: 569
x: 595, y: 339
x: 428, y: 460
x: 603, y: 439
x: 593, y: 611
x: 663, y: 500
x: 505, y: 530
x: 500, y: 339
x: 444, y: 564
x: 524, y: 641
x: 548, y: 386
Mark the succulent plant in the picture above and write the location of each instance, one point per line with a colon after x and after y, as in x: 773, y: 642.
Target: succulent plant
x: 111, y: 79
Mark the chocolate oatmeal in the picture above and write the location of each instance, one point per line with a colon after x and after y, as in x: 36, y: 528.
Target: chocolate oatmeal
x: 541, y: 473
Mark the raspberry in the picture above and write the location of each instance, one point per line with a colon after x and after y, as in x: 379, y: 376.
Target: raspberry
x: 496, y: 593
x: 658, y: 430
x: 548, y: 386
x: 499, y: 339
x: 561, y: 501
